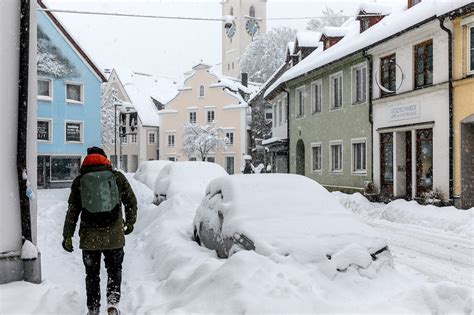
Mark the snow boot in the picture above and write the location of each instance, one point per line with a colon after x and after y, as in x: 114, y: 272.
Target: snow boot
x: 113, y: 310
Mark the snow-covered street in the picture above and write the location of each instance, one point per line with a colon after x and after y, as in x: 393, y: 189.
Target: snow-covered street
x: 165, y: 271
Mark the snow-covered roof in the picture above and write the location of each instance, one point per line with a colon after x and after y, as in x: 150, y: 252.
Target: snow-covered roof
x: 291, y: 48
x: 141, y: 88
x: 332, y: 31
x: 308, y: 39
x: 374, y: 8
x: 399, y: 20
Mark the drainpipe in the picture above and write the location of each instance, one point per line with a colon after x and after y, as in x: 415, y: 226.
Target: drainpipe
x: 371, y: 119
x: 451, y: 142
x: 288, y: 125
x: 23, y: 119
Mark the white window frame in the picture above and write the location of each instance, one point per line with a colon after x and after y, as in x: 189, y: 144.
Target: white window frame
x: 331, y: 90
x: 50, y: 130
x: 154, y: 137
x: 207, y: 115
x: 280, y: 112
x: 124, y: 140
x: 284, y: 102
x: 134, y: 138
x: 171, y: 144
x: 274, y: 117
x: 195, y: 116
x: 233, y: 136
x: 203, y: 89
x: 297, y: 102
x: 358, y: 141
x: 354, y: 87
x: 82, y: 131
x: 267, y: 109
x: 331, y: 144
x: 50, y: 96
x: 82, y: 92
x: 470, y: 28
x: 313, y: 100
x: 320, y: 146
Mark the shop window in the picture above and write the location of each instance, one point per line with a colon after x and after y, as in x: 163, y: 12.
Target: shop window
x: 74, y: 92
x: 317, y: 158
x: 423, y: 64
x: 74, y: 132
x: 388, y: 67
x: 65, y: 168
x: 229, y: 164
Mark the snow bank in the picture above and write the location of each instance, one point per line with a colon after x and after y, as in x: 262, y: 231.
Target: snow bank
x: 305, y: 221
x: 188, y: 178
x: 148, y: 171
x: 448, y: 219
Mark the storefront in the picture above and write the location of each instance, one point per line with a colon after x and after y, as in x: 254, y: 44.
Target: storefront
x: 411, y: 146
x: 57, y: 171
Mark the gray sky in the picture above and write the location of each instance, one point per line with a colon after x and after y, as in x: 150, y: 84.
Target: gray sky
x: 169, y: 47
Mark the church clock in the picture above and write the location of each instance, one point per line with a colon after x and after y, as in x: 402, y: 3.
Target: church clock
x: 252, y: 27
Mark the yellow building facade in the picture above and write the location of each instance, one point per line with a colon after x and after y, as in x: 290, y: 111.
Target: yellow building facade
x: 463, y: 109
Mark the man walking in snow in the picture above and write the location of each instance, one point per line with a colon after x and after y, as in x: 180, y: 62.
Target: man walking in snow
x: 97, y: 195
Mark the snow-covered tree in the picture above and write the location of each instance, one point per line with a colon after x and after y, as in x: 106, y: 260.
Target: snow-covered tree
x: 50, y: 61
x: 329, y: 18
x: 202, y: 139
x: 107, y: 112
x: 266, y: 53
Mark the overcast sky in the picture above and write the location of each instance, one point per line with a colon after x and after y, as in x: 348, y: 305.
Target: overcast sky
x: 168, y: 48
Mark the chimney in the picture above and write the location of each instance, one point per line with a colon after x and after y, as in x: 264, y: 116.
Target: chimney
x: 245, y: 79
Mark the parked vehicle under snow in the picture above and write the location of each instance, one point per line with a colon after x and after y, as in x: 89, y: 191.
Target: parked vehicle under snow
x: 148, y: 171
x: 187, y: 178
x: 285, y: 215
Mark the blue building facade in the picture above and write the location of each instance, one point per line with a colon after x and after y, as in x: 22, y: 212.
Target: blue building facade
x: 69, y: 97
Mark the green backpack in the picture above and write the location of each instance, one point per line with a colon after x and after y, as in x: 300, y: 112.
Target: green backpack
x: 99, y: 192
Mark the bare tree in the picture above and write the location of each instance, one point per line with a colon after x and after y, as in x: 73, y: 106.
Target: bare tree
x: 202, y: 139
x: 330, y: 18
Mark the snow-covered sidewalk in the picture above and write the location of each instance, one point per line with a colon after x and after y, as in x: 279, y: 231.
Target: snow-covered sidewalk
x: 165, y: 271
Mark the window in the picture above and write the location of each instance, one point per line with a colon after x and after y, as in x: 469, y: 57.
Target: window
x: 65, y: 168
x: 233, y: 65
x: 274, y: 115
x: 134, y: 138
x: 210, y: 116
x: 316, y: 97
x: 336, y: 91
x: 300, y: 102
x: 229, y: 164
x: 268, y: 114
x: 284, y: 103
x: 201, y: 91
x: 193, y: 159
x: 230, y: 136
x: 252, y: 11
x: 44, y: 130
x: 388, y: 75
x: 413, y: 2
x: 192, y: 117
x: 317, y: 157
x: 171, y: 141
x: 336, y: 157
x: 280, y: 113
x: 364, y: 25
x: 152, y: 138
x: 74, y: 93
x: 172, y: 159
x: 44, y: 89
x: 124, y: 139
x: 211, y: 159
x: 231, y: 11
x: 423, y: 64
x: 359, y: 156
x: 471, y: 49
x: 73, y: 131
x: 359, y: 84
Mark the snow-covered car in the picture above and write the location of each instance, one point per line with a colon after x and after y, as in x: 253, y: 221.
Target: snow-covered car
x: 286, y: 215
x: 187, y: 178
x: 149, y: 170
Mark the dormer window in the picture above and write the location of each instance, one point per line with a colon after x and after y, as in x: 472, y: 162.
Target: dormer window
x: 413, y: 2
x: 364, y: 25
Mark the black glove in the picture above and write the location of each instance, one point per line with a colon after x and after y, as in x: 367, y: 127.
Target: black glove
x: 67, y: 244
x: 127, y: 228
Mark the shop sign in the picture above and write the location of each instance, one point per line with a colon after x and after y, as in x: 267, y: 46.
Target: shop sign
x: 404, y: 112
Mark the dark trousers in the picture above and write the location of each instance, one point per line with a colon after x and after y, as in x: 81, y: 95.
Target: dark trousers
x: 113, y: 263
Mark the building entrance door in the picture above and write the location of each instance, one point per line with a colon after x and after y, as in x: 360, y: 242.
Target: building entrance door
x: 386, y: 163
x: 424, y: 161
x: 300, y: 158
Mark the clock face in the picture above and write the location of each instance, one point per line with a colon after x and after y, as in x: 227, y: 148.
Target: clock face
x: 252, y: 27
x: 231, y: 30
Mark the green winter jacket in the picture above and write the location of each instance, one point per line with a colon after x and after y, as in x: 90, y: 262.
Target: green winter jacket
x: 93, y: 235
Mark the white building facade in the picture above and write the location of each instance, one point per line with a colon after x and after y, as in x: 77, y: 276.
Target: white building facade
x: 411, y: 113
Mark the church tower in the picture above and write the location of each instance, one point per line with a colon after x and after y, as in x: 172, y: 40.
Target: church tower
x: 249, y: 18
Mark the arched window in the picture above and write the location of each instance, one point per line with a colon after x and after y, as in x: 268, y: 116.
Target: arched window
x: 201, y: 91
x: 232, y: 11
x: 252, y: 11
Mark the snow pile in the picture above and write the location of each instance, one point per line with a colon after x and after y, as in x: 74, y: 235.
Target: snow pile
x: 29, y: 250
x: 304, y: 222
x: 148, y: 171
x: 448, y: 219
x: 187, y: 178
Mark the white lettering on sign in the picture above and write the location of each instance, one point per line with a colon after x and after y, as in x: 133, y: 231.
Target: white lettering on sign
x: 404, y: 112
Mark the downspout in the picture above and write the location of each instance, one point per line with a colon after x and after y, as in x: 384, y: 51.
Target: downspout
x: 288, y: 125
x: 451, y: 135
x: 23, y: 119
x: 371, y: 119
